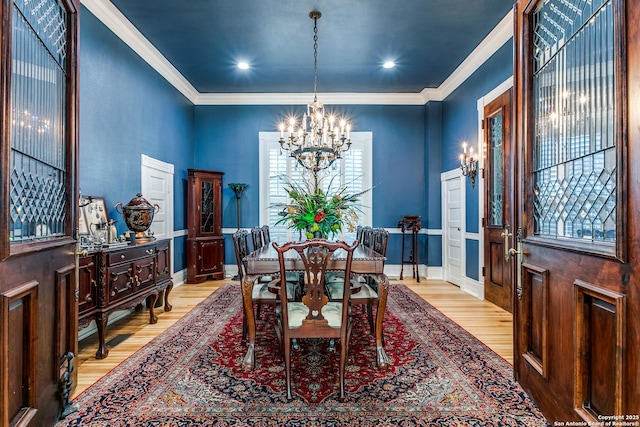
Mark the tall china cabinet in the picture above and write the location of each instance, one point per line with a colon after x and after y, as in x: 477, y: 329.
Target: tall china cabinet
x: 205, y: 243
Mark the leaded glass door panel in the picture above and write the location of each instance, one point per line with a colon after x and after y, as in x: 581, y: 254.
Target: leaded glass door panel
x: 577, y: 350
x: 498, y: 214
x: 37, y: 262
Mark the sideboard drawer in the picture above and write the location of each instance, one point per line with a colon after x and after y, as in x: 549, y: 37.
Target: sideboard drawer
x: 120, y: 282
x: 130, y: 255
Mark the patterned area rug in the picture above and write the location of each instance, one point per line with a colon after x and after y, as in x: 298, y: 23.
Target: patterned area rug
x: 191, y: 375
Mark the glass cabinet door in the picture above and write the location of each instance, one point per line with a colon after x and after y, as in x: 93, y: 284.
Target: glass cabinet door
x: 207, y: 200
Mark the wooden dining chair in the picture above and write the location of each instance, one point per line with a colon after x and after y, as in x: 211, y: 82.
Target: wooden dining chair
x: 365, y: 288
x: 266, y: 235
x: 256, y: 237
x: 265, y: 290
x: 314, y: 316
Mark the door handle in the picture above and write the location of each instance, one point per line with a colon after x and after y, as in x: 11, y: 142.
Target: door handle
x: 509, y: 252
x: 519, y: 252
x: 506, y: 234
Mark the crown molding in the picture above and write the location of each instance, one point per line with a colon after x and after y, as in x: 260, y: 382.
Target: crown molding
x: 501, y: 34
x: 334, y: 98
x: 113, y: 19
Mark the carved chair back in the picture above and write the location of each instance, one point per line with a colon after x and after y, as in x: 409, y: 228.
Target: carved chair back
x: 256, y: 237
x: 315, y: 316
x: 241, y: 246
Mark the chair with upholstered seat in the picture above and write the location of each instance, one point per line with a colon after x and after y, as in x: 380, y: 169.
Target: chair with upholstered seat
x: 365, y: 288
x: 315, y: 316
x: 265, y: 291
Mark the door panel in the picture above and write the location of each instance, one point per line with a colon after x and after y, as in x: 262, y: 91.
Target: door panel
x: 38, y: 148
x: 497, y: 213
x: 452, y: 190
x: 577, y: 334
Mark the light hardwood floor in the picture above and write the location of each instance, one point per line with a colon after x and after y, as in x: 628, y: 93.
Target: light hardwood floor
x: 487, y: 322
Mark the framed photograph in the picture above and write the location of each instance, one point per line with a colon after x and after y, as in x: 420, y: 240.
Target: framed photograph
x: 93, y: 211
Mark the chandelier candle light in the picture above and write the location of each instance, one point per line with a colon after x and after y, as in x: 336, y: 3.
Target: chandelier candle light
x: 318, y: 140
x: 468, y: 164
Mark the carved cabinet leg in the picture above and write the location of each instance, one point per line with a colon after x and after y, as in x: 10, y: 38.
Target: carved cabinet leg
x: 167, y: 306
x: 102, y: 319
x: 151, y: 302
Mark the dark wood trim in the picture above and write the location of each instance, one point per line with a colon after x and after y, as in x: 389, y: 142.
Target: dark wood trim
x: 539, y: 364
x: 5, y: 113
x: 583, y: 373
x: 66, y: 315
x: 28, y: 292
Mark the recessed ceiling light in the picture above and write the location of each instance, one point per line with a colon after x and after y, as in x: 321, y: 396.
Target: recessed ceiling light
x: 243, y: 65
x: 389, y: 64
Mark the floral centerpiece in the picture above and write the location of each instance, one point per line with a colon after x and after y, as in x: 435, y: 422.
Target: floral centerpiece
x: 319, y: 213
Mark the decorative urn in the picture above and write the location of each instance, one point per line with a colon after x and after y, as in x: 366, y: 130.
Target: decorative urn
x: 138, y: 215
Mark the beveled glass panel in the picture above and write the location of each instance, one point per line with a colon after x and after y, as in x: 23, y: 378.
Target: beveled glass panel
x: 206, y: 210
x: 496, y: 187
x: 37, y: 195
x: 574, y: 150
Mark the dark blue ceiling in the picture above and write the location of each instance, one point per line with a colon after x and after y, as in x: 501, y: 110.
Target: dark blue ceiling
x: 204, y: 39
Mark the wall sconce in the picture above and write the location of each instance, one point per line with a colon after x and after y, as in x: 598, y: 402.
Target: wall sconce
x: 468, y: 164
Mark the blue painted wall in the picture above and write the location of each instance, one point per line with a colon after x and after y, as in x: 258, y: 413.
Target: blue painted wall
x: 460, y: 123
x: 433, y: 162
x: 226, y: 139
x: 128, y: 109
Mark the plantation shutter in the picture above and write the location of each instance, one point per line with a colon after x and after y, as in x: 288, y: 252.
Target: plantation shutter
x: 353, y: 171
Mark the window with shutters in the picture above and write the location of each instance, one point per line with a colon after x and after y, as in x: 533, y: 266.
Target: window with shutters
x: 353, y: 171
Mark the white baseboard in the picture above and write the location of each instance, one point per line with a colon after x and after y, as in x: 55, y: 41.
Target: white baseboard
x: 472, y: 287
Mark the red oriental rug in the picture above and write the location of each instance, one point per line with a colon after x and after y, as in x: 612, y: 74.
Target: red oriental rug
x: 191, y: 375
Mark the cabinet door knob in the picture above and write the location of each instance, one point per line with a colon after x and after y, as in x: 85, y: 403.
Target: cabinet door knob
x: 122, y: 256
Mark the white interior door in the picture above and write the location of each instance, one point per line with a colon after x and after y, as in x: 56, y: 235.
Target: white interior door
x: 157, y: 188
x: 453, y: 210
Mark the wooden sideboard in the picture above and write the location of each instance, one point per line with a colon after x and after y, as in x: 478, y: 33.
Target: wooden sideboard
x: 121, y: 278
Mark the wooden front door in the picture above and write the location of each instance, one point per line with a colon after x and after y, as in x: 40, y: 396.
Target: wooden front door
x: 38, y: 197
x: 577, y: 309
x: 498, y: 214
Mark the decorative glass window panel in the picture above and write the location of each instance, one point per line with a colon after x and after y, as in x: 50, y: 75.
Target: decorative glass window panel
x: 38, y: 121
x: 574, y: 150
x: 496, y: 189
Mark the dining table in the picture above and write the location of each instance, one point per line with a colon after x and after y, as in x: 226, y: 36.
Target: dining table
x: 264, y: 262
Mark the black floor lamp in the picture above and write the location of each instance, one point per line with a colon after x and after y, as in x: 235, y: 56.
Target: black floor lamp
x: 238, y: 189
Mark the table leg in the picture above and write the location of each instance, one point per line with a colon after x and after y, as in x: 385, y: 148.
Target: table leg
x: 247, y: 305
x: 383, y: 290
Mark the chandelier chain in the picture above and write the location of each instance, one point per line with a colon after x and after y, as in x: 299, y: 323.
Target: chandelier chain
x: 317, y: 140
x: 315, y: 59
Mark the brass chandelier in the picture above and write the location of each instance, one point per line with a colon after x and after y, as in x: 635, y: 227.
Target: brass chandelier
x: 317, y: 141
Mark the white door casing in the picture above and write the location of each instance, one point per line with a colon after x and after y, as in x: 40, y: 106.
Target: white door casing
x: 157, y: 188
x: 453, y: 209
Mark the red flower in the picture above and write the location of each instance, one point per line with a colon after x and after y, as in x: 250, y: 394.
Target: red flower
x: 318, y: 217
